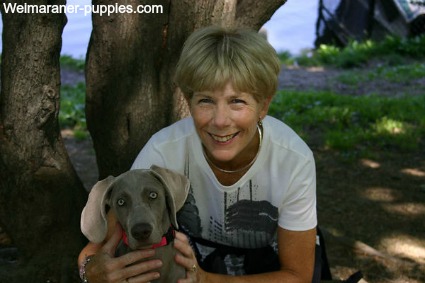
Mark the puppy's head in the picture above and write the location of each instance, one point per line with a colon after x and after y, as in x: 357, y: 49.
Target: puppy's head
x: 145, y: 203
x: 139, y: 200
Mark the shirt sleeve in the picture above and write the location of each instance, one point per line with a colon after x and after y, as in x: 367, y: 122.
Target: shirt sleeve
x: 148, y: 156
x: 298, y: 210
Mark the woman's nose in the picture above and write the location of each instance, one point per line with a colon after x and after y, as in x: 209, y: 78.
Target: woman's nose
x: 221, y: 116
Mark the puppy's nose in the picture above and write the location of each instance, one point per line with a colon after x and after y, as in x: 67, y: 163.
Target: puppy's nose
x: 141, y: 231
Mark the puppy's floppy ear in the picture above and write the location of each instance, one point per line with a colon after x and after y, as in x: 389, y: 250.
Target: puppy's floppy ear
x: 93, y: 218
x: 177, y: 188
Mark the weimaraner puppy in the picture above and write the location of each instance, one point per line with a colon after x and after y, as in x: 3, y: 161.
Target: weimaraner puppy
x: 145, y: 203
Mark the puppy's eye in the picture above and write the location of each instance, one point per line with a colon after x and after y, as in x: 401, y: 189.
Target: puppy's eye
x: 120, y: 202
x: 153, y: 195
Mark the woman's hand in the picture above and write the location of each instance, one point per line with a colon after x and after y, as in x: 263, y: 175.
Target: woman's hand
x: 187, y: 259
x: 104, y: 267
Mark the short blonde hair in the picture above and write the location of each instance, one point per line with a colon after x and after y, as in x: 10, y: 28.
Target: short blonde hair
x: 213, y: 56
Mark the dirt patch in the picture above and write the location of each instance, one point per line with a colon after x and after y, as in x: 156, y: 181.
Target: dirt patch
x: 71, y: 77
x: 331, y: 79
x: 82, y: 155
x: 373, y: 213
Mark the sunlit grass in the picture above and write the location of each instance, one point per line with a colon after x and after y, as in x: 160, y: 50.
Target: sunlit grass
x: 391, y: 51
x: 353, y: 123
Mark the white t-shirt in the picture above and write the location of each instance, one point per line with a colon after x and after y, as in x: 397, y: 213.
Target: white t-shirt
x: 278, y: 189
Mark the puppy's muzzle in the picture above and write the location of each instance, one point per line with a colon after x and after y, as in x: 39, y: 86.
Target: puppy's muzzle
x: 141, y: 231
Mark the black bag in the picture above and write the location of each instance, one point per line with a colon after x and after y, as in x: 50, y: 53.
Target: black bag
x: 256, y: 261
x: 259, y: 260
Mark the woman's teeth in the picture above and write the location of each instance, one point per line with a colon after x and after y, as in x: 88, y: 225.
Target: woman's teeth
x: 222, y: 139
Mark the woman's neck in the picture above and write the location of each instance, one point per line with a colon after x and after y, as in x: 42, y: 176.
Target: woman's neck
x: 229, y: 173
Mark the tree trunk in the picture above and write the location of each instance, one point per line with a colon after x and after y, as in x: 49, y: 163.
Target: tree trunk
x: 41, y: 196
x: 130, y: 66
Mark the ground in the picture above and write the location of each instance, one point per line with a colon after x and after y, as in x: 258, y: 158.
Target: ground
x: 371, y: 211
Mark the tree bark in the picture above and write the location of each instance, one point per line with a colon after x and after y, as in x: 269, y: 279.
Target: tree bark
x: 130, y: 66
x: 41, y: 196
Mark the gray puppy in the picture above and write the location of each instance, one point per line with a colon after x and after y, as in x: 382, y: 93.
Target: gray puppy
x: 145, y: 203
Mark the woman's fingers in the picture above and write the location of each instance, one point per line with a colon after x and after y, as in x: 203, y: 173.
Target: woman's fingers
x: 186, y: 258
x: 182, y: 237
x: 143, y: 272
x: 182, y: 244
x: 105, y: 267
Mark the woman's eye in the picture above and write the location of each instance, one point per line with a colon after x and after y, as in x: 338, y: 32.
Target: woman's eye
x: 205, y: 100
x: 120, y: 202
x: 153, y: 195
x: 238, y: 101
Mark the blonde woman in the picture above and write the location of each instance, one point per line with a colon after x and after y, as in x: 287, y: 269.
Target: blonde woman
x: 251, y: 211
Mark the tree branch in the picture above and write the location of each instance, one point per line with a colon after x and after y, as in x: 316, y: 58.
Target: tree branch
x: 254, y: 13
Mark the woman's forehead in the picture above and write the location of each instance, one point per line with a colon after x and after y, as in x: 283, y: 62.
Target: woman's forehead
x: 227, y: 89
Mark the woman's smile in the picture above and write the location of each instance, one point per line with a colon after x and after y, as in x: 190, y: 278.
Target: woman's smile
x: 223, y: 138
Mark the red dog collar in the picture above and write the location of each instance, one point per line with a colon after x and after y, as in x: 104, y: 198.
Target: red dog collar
x: 165, y: 240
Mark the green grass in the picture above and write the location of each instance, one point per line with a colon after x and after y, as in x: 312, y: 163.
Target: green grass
x: 391, y: 51
x: 360, y: 123
x: 396, y: 74
x: 72, y: 102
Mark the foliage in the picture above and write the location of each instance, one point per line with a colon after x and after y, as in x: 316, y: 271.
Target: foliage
x: 357, y: 54
x: 72, y: 109
x: 358, y: 123
x: 286, y: 58
x: 71, y: 63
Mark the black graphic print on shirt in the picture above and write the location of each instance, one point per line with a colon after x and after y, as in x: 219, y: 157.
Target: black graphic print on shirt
x: 188, y: 217
x: 244, y: 222
x: 251, y: 215
x: 249, y: 222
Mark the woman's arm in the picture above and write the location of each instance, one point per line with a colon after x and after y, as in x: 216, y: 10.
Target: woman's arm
x: 296, y: 254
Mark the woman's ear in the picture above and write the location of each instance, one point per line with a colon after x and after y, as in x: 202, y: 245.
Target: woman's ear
x: 265, y: 104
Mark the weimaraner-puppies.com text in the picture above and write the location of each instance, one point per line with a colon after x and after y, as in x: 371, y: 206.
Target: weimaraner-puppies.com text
x: 145, y: 203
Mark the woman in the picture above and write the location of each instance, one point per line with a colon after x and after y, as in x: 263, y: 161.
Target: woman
x: 251, y: 211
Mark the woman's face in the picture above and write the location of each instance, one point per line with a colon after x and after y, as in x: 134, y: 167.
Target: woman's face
x: 226, y: 121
